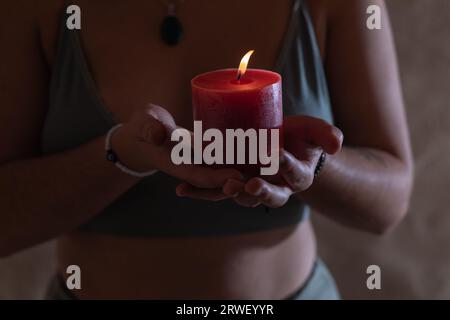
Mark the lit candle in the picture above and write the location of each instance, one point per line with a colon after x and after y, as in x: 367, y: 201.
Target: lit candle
x: 239, y: 99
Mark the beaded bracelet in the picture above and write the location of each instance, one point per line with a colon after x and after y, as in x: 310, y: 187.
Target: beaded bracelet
x: 320, y: 164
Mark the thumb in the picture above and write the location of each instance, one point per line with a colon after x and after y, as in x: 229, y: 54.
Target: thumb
x: 155, y: 125
x: 315, y: 131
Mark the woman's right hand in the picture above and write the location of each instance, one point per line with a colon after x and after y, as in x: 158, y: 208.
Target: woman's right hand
x: 143, y: 144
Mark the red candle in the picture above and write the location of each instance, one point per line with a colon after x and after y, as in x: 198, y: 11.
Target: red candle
x: 239, y: 99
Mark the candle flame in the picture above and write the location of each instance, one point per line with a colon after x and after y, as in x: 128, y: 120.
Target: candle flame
x: 243, y: 65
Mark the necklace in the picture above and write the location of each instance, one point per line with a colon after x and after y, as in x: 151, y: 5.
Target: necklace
x: 171, y: 28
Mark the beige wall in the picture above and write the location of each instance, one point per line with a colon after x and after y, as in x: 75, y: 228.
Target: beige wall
x: 25, y: 275
x: 415, y: 259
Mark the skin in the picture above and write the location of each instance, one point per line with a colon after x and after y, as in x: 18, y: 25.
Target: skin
x: 366, y: 185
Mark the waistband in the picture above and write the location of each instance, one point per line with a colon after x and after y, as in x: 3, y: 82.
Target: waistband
x: 319, y: 285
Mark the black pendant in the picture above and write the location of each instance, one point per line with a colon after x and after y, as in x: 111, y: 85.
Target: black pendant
x: 171, y: 30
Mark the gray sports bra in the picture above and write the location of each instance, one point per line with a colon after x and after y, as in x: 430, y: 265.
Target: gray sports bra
x: 77, y: 115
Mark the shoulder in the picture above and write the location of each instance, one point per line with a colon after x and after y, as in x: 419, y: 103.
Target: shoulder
x: 19, y: 24
x: 28, y: 10
x: 14, y: 14
x: 33, y: 21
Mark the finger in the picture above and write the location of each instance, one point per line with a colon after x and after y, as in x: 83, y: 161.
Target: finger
x: 233, y: 187
x: 246, y: 200
x: 270, y: 195
x: 154, y: 124
x: 201, y: 176
x: 197, y: 175
x: 152, y: 131
x: 316, y: 131
x: 298, y: 175
x: 189, y: 191
x: 161, y: 115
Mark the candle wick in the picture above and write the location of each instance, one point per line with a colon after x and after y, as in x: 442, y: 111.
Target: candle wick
x: 239, y: 75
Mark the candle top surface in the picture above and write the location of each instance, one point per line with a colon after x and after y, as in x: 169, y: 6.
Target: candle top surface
x: 226, y: 80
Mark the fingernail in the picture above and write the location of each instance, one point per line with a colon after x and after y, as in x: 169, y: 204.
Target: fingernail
x: 338, y: 133
x: 254, y: 192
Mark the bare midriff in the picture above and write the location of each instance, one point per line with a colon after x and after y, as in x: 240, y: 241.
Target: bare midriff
x: 263, y: 265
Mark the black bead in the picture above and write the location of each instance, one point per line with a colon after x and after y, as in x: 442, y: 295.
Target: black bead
x: 171, y: 30
x: 111, y: 156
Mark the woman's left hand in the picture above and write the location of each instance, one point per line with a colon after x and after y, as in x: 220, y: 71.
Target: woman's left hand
x: 305, y: 138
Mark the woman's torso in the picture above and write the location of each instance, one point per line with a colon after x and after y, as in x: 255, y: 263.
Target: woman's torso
x: 121, y: 43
